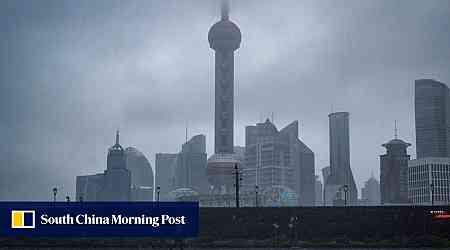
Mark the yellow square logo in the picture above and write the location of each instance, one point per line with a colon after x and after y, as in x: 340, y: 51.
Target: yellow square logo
x: 22, y: 219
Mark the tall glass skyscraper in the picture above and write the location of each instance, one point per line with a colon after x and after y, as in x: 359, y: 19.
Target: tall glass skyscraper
x: 432, y: 118
x: 341, y: 176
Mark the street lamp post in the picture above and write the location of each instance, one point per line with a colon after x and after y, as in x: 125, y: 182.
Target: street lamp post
x: 55, y: 191
x: 237, y: 184
x: 432, y: 193
x: 256, y: 195
x: 345, y: 194
x: 158, y: 188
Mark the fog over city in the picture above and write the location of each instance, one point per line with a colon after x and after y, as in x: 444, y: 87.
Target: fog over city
x: 73, y: 72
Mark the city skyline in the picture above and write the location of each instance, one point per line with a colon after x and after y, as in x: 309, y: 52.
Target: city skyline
x: 70, y: 93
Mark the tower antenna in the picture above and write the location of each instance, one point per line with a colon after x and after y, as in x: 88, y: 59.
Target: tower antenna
x: 300, y: 124
x: 186, y: 133
x: 395, y: 129
x: 272, y: 118
x: 117, y: 137
x: 225, y: 9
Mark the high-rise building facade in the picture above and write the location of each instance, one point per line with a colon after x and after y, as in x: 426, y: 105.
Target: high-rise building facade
x: 89, y: 187
x: 319, y: 192
x: 394, y: 172
x: 185, y: 170
x: 370, y: 193
x: 224, y: 38
x: 117, y: 176
x: 278, y: 159
x: 341, y: 176
x: 429, y: 181
x: 432, y: 118
x: 140, y: 168
x: 165, y: 165
x: 141, y: 175
x: 190, y: 168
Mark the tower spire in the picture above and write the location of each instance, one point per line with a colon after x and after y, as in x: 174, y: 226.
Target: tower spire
x: 117, y: 137
x: 395, y: 129
x: 225, y: 9
x: 186, y: 133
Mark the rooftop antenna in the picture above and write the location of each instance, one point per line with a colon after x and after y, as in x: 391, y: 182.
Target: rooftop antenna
x: 186, y: 133
x: 225, y: 9
x: 117, y: 137
x: 395, y: 129
x: 272, y: 117
x: 299, y: 129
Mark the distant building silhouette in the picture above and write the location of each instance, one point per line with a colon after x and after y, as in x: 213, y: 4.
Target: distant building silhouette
x: 224, y: 38
x: 117, y: 176
x: 326, y: 172
x: 190, y: 168
x: 165, y: 165
x: 89, y: 187
x: 429, y: 177
x: 141, y: 175
x: 340, y: 172
x: 278, y: 158
x: 113, y: 185
x: 319, y: 192
x: 370, y: 193
x: 394, y: 172
x: 432, y: 115
x: 185, y: 170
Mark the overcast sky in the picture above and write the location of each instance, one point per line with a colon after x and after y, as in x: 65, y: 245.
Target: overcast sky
x: 72, y: 72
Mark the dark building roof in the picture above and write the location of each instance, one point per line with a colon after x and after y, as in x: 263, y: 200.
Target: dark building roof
x: 396, y: 142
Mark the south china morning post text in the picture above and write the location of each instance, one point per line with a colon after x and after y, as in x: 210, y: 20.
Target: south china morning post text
x: 114, y: 219
x: 99, y: 219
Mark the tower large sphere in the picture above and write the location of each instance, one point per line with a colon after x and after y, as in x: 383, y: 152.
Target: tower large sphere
x: 224, y: 35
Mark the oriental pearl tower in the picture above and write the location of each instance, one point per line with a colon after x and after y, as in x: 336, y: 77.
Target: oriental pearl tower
x: 224, y: 38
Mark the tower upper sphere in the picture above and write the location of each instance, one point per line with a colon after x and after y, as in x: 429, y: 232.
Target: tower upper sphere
x: 224, y: 35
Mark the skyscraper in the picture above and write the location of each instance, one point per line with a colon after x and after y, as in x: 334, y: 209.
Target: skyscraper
x: 275, y: 159
x: 319, y: 192
x: 341, y: 176
x: 429, y: 181
x: 224, y: 38
x: 117, y: 177
x: 370, y: 193
x: 141, y: 175
x: 432, y: 118
x: 394, y: 172
x: 165, y: 165
x: 185, y: 170
x: 140, y: 168
x: 190, y: 168
x: 112, y: 185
